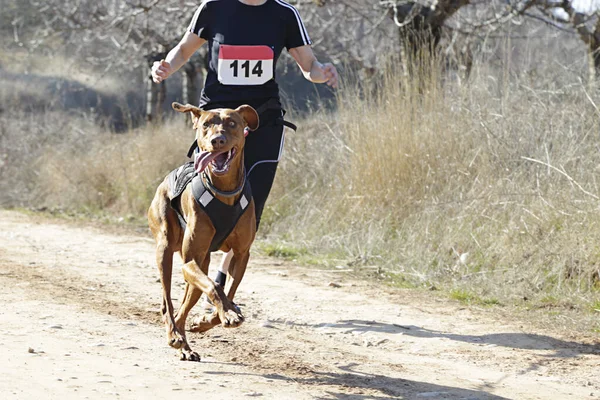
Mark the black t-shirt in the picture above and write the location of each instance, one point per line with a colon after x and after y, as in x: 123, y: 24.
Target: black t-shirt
x: 244, y: 44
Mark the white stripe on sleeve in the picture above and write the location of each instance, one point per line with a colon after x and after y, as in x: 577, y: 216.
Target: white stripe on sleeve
x: 192, y: 27
x: 305, y: 37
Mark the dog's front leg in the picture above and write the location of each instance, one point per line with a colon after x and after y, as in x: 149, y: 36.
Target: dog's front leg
x: 203, y: 323
x: 190, y: 298
x: 229, y: 314
x: 194, y: 251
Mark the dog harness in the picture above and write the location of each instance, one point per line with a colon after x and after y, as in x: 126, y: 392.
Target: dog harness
x: 223, y: 216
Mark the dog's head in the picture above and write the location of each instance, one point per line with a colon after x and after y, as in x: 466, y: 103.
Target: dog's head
x: 220, y: 134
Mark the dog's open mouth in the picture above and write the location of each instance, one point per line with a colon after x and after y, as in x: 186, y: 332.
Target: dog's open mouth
x: 218, y: 161
x: 221, y: 162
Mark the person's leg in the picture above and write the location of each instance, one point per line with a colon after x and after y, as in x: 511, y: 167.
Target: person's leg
x: 261, y: 180
x: 223, y: 268
x: 262, y: 153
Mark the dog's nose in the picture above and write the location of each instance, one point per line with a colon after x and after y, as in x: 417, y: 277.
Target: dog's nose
x: 218, y: 141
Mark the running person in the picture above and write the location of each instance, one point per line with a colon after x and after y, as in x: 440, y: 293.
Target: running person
x: 245, y: 39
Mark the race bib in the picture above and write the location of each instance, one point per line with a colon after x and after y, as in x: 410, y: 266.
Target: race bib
x: 245, y: 65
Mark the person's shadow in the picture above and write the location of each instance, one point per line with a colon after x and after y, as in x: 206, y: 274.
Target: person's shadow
x: 561, y: 348
x: 346, y: 383
x: 340, y: 385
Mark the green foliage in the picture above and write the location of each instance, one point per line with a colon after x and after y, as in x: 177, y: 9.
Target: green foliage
x: 467, y: 297
x: 400, y: 280
x: 462, y: 295
x: 282, y: 251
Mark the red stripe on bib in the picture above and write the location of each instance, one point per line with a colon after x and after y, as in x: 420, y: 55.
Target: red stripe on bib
x: 229, y: 52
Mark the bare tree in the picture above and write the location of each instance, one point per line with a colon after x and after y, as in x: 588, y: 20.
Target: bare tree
x: 562, y: 14
x: 420, y: 24
x: 114, y: 35
x: 132, y: 34
x: 125, y: 35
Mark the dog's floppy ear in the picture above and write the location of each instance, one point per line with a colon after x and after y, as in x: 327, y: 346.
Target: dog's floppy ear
x: 250, y: 116
x: 196, y: 112
x: 188, y: 107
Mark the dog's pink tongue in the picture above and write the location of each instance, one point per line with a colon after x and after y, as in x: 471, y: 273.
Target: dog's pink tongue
x: 202, y: 159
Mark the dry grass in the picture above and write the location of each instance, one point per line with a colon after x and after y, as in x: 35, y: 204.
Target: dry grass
x: 64, y: 160
x: 488, y: 188
x: 115, y: 173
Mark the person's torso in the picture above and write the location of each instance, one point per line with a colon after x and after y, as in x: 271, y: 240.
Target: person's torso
x: 244, y: 44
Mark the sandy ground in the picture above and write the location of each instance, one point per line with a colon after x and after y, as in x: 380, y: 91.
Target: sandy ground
x: 81, y: 320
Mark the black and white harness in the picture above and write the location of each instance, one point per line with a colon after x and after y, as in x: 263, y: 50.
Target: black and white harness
x: 223, y: 217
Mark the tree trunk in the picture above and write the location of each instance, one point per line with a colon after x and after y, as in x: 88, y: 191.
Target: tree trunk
x: 149, y: 95
x: 190, y: 84
x: 593, y: 60
x: 420, y: 31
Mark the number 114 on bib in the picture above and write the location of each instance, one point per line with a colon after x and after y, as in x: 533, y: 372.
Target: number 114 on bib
x: 245, y: 65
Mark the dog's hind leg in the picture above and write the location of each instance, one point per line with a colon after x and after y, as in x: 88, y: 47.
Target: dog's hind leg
x: 236, y: 273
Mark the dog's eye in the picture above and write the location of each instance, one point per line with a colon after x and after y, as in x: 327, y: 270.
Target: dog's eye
x: 205, y: 124
x: 232, y: 124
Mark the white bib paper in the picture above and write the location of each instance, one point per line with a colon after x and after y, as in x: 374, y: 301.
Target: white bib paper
x: 245, y: 65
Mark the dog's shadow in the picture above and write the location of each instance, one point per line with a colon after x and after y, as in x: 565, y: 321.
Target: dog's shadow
x: 528, y: 341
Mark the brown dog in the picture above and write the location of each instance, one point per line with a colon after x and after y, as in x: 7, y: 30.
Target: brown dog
x: 220, y: 138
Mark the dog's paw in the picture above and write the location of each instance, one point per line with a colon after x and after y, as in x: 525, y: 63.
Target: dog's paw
x: 176, y: 341
x: 188, y: 355
x: 232, y: 318
x: 202, y: 323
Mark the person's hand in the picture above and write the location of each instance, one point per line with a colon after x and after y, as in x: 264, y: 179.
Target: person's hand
x: 330, y: 74
x: 161, y: 71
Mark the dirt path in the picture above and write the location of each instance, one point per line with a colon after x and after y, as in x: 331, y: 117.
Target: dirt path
x: 80, y: 320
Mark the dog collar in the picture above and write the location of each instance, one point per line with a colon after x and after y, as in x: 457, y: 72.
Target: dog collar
x: 209, y: 186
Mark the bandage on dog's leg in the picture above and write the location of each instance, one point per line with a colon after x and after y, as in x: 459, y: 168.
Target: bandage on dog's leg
x: 221, y: 278
x: 223, y: 268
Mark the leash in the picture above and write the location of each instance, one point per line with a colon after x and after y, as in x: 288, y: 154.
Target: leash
x: 289, y: 124
x: 193, y: 148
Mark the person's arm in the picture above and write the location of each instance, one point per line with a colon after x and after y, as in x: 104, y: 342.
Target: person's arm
x: 312, y: 69
x: 177, y: 57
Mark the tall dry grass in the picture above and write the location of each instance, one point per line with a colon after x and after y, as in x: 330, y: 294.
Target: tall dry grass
x: 62, y: 160
x: 115, y: 173
x: 489, y: 187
